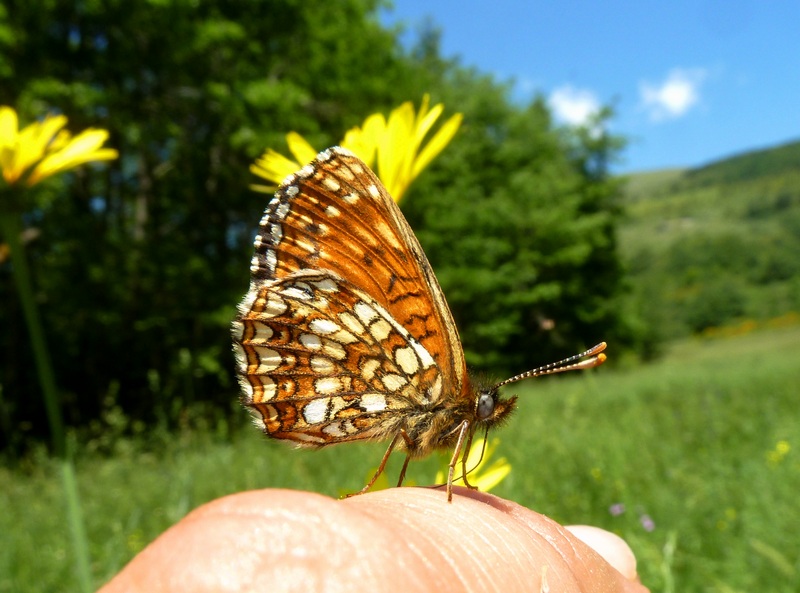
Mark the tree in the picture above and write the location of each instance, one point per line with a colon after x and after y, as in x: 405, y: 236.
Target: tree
x: 141, y: 267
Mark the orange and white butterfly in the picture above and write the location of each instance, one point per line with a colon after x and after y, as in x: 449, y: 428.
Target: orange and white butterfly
x: 345, y: 335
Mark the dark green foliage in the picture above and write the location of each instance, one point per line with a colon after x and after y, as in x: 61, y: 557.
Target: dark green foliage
x: 139, y: 266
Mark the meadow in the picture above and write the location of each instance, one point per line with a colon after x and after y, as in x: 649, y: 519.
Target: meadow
x: 693, y: 459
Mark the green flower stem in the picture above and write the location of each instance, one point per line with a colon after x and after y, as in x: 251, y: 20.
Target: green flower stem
x: 11, y: 229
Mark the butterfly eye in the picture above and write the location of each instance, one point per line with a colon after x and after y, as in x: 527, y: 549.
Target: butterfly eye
x: 485, y: 406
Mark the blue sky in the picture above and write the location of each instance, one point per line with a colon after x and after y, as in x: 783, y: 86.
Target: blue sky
x: 691, y: 81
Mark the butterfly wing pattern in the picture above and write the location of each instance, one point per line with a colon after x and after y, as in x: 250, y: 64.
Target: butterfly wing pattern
x: 344, y: 333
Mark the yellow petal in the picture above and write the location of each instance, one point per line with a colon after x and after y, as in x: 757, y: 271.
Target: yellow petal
x: 48, y: 167
x: 9, y: 126
x: 396, y: 149
x: 300, y: 148
x: 273, y: 166
x: 49, y: 127
x: 8, y: 141
x: 423, y: 125
x: 60, y: 141
x: 364, y: 141
x: 484, y: 478
x: 262, y: 189
x: 435, y: 145
x: 31, y: 146
x: 492, y: 476
x: 83, y: 148
x: 84, y: 143
x: 35, y: 139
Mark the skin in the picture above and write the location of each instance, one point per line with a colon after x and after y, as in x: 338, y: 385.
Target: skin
x: 401, y: 539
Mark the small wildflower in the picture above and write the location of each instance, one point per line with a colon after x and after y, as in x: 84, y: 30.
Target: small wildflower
x: 777, y: 455
x: 616, y: 509
x: 647, y: 522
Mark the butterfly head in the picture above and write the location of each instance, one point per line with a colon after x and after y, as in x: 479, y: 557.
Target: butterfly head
x: 490, y: 408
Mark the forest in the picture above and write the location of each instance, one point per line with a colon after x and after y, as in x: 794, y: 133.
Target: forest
x: 138, y: 264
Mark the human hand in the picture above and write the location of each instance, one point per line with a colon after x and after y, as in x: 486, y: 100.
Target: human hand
x: 401, y: 539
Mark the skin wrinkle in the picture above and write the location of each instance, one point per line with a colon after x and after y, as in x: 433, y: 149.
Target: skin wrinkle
x: 420, y: 550
x: 580, y: 552
x: 407, y: 562
x: 430, y: 567
x: 515, y: 532
x: 561, y: 579
x: 475, y: 545
x: 505, y: 534
x: 468, y: 548
x: 481, y: 527
x: 346, y: 556
x: 415, y: 579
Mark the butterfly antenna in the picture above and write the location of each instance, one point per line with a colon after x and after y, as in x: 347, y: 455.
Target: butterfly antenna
x: 585, y: 360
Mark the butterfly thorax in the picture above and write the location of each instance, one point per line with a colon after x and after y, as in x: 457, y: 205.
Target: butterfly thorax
x: 439, y: 426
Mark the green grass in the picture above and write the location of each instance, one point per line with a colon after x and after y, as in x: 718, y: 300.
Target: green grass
x: 693, y: 442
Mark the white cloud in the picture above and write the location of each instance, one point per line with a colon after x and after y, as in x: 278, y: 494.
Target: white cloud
x: 675, y: 96
x: 573, y: 106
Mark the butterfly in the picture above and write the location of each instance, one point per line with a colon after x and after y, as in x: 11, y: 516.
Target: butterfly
x: 345, y: 335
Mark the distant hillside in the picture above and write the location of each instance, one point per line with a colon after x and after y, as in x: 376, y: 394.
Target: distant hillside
x: 747, y: 166
x: 716, y: 244
x: 649, y: 183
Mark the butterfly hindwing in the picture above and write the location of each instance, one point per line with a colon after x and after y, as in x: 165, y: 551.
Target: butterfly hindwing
x: 324, y: 362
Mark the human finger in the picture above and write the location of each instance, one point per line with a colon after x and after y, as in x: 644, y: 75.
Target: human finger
x: 406, y: 539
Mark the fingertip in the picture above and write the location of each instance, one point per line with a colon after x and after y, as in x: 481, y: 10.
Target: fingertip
x: 610, y: 546
x: 408, y: 539
x: 517, y: 545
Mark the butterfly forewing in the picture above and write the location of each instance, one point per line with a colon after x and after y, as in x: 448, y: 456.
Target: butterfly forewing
x: 344, y: 331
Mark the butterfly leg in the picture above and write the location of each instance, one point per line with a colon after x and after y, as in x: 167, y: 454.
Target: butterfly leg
x: 462, y: 432
x: 407, y: 439
x: 381, y: 467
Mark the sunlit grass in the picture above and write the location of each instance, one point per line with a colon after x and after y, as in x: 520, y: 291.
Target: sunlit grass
x: 694, y: 460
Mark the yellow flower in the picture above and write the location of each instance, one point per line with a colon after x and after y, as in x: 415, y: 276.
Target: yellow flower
x: 398, y: 144
x: 44, y: 148
x: 481, y: 474
x: 776, y: 456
